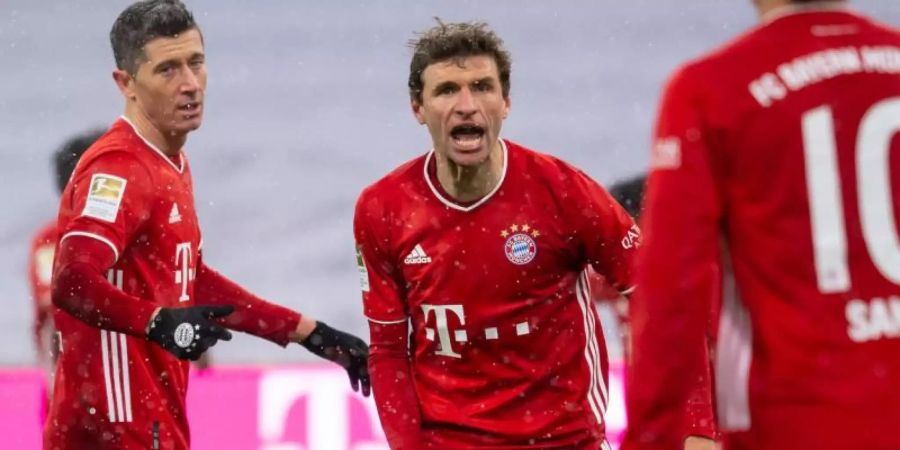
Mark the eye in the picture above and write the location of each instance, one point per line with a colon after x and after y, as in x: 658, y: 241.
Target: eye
x: 482, y: 86
x: 446, y: 90
x: 166, y: 70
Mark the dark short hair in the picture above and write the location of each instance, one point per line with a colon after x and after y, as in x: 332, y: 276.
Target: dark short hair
x: 455, y: 41
x: 142, y: 22
x: 630, y: 194
x: 66, y: 157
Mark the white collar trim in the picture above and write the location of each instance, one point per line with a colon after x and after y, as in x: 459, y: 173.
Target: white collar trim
x: 179, y: 167
x: 449, y: 203
x: 792, y: 9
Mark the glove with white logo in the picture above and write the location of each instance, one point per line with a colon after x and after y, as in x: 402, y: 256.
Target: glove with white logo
x: 347, y: 350
x: 188, y: 332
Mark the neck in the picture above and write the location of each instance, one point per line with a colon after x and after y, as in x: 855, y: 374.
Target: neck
x: 470, y: 183
x: 771, y: 9
x: 168, y: 143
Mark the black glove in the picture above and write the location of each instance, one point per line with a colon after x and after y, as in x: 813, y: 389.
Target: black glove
x: 188, y: 332
x: 347, y: 350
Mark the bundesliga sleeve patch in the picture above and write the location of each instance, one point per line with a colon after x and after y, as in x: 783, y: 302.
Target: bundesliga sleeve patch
x: 363, y: 272
x: 104, y: 197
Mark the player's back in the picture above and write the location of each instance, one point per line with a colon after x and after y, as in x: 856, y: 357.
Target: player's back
x: 802, y: 115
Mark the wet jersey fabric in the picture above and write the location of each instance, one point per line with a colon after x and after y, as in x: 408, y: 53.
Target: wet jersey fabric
x: 783, y: 145
x: 130, y: 208
x: 507, y: 350
x: 114, y: 388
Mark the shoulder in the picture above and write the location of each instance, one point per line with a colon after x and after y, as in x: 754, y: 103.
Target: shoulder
x: 116, y: 151
x: 881, y: 33
x: 882, y: 27
x: 546, y: 167
x: 395, y: 183
x: 715, y: 67
x: 562, y: 183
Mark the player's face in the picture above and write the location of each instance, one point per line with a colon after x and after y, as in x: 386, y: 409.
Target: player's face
x: 463, y: 106
x: 169, y: 85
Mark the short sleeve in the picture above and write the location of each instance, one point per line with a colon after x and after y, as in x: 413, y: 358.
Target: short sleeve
x: 380, y: 279
x: 110, y: 199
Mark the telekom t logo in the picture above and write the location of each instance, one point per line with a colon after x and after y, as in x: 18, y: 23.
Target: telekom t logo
x: 327, y: 413
x: 184, y: 273
x: 443, y: 331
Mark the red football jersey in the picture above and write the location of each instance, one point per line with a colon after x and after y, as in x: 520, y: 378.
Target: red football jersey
x: 40, y: 269
x: 115, y: 390
x: 784, y: 142
x: 507, y: 349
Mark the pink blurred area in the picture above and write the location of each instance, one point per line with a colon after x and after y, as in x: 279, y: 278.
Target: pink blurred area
x: 267, y: 408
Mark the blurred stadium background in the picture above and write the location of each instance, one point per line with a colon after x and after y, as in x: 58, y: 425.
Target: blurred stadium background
x: 307, y: 104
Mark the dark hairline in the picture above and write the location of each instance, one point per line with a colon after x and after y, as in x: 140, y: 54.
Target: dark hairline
x: 456, y: 42
x: 143, y: 58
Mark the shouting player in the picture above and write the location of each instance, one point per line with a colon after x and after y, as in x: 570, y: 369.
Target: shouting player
x: 481, y: 245
x: 784, y: 144
x: 134, y: 297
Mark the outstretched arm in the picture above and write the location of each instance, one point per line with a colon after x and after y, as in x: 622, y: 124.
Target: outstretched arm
x: 281, y: 325
x: 252, y: 314
x: 82, y: 290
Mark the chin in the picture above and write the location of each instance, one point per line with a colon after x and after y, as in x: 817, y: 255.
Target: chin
x: 470, y: 159
x: 187, y: 126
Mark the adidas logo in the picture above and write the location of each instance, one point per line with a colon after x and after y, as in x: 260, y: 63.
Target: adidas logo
x: 417, y: 256
x: 174, y: 216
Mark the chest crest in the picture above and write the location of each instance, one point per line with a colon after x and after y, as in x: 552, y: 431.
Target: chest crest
x: 520, y: 243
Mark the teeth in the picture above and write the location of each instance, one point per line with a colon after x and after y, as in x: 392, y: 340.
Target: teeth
x: 468, y: 142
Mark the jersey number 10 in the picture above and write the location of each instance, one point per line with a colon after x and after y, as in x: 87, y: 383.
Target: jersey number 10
x: 876, y: 130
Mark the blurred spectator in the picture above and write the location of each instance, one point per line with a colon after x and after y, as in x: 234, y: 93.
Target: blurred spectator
x: 43, y: 246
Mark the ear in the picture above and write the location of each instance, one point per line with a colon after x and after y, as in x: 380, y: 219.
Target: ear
x: 507, y: 104
x: 125, y: 83
x: 417, y: 110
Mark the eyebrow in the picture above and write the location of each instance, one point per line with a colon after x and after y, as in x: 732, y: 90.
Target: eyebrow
x: 170, y: 61
x: 486, y: 80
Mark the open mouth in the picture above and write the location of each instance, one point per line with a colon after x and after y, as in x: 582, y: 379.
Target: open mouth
x: 467, y: 136
x: 190, y: 107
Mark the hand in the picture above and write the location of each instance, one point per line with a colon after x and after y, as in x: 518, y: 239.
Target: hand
x: 700, y: 443
x: 188, y: 332
x: 347, y: 350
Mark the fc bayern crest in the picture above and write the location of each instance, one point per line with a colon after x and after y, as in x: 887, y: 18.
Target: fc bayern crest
x: 520, y: 246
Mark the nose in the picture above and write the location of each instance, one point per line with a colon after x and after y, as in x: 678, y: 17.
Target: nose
x: 190, y: 82
x: 465, y: 102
